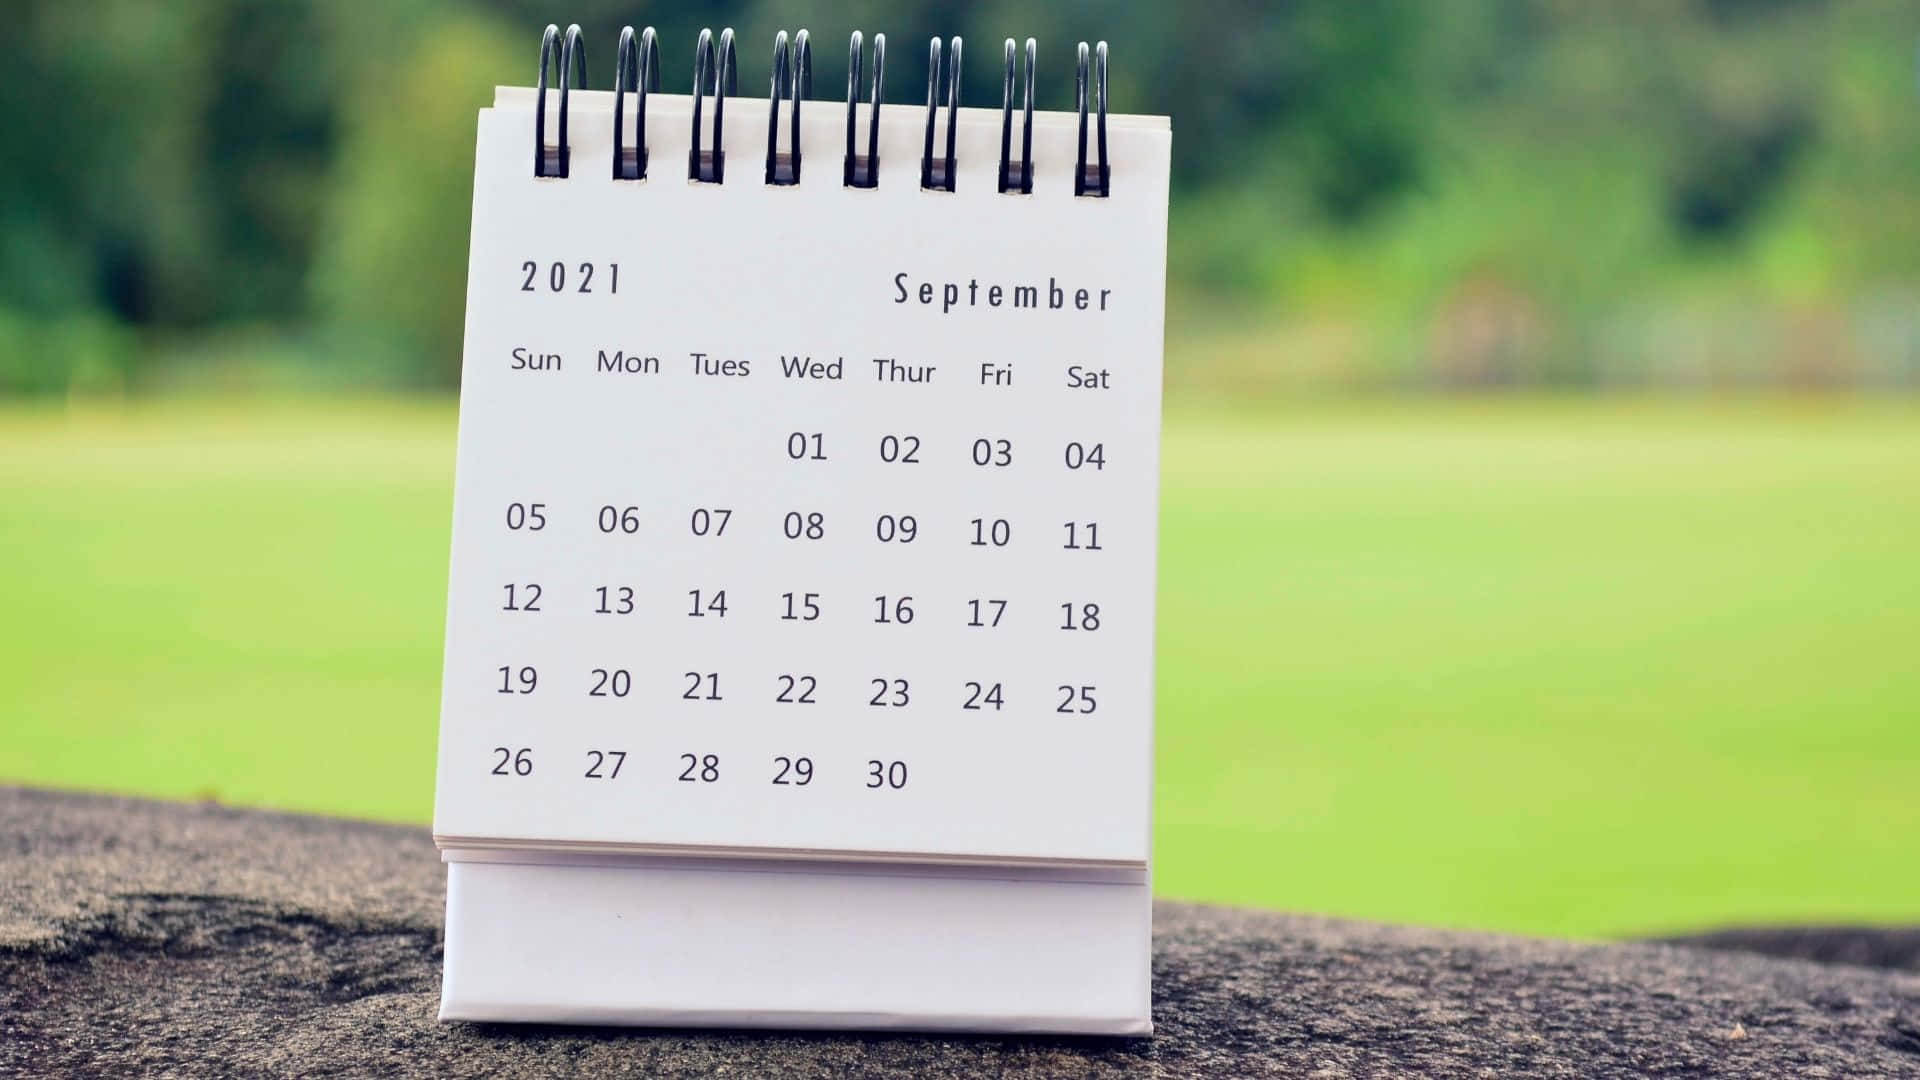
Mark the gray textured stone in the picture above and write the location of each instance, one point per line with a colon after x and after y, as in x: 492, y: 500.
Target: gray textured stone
x: 141, y: 938
x: 1881, y: 947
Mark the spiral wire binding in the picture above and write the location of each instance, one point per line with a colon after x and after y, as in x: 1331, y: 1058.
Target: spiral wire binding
x: 1023, y: 183
x: 792, y: 75
x: 636, y: 69
x: 569, y: 53
x: 858, y: 171
x: 937, y: 175
x: 718, y: 75
x: 1092, y: 181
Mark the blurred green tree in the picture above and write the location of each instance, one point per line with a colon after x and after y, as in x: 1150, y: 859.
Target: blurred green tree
x: 399, y: 211
x: 1639, y: 184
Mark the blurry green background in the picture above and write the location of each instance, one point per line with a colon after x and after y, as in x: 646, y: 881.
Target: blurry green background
x: 1541, y: 509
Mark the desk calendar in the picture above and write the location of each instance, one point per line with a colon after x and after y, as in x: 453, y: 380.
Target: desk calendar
x: 799, y: 655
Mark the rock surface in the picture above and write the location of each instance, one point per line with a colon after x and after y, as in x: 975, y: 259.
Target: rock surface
x: 1888, y: 947
x: 141, y: 938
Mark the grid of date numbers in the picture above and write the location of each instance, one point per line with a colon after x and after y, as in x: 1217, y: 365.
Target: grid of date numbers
x: 807, y: 531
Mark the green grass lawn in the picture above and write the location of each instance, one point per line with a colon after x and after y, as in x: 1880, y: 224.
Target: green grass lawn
x: 1584, y: 667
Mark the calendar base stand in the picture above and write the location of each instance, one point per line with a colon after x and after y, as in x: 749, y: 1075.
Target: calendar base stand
x: 684, y: 942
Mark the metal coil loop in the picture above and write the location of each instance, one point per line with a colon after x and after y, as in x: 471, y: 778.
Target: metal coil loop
x: 713, y: 74
x: 1017, y: 177
x: 1094, y: 180
x: 568, y: 54
x: 636, y: 69
x: 792, y: 77
x: 937, y: 174
x: 858, y: 171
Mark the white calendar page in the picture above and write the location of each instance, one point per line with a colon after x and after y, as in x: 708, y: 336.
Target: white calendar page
x: 933, y: 522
